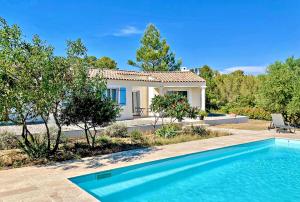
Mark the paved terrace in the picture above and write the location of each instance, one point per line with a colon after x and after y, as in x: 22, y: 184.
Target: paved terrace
x: 50, y: 183
x: 73, y: 130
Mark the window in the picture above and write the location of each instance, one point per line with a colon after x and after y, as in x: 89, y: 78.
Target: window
x: 184, y: 93
x: 118, y: 95
x: 112, y: 93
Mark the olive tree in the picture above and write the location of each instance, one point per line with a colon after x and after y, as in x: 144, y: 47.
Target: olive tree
x: 88, y: 107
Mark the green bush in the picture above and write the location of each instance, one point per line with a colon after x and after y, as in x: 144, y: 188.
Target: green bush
x: 136, y: 137
x: 8, y: 141
x: 103, y: 140
x: 199, y: 130
x: 252, y: 113
x: 196, y: 130
x: 38, y: 147
x: 168, y: 131
x: 117, y: 130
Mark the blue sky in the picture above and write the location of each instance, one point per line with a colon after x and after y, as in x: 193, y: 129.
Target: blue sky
x: 225, y: 34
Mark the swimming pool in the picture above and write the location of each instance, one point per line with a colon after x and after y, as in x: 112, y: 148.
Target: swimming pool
x: 267, y: 170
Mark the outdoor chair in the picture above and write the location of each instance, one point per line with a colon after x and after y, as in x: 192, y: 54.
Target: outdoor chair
x: 279, y: 124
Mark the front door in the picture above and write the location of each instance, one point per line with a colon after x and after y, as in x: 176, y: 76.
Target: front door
x: 136, y: 103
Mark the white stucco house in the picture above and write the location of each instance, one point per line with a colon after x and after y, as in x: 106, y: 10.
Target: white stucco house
x: 133, y: 90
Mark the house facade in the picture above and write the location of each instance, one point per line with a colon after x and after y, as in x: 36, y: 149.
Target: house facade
x: 134, y: 91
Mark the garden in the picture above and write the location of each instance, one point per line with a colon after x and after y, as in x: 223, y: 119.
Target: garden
x: 37, y: 84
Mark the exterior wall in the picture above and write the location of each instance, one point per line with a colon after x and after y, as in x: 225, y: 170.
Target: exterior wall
x: 149, y: 89
x: 152, y: 91
x: 143, y: 97
x: 126, y: 112
x: 194, y: 94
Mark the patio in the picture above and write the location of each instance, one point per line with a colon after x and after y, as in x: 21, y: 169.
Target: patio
x: 140, y: 123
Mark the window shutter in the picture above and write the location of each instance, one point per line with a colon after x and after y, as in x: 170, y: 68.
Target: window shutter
x: 122, y: 96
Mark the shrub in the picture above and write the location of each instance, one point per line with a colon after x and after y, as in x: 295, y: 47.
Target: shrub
x: 168, y: 131
x: 199, y: 130
x: 8, y: 141
x: 38, y: 147
x: 196, y: 130
x: 117, y: 130
x: 103, y: 140
x: 137, y: 137
x: 252, y: 113
x: 193, y: 112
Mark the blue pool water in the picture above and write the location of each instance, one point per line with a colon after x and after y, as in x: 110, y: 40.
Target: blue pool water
x: 261, y: 171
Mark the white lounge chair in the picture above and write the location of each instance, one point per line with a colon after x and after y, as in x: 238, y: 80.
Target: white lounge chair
x: 279, y: 124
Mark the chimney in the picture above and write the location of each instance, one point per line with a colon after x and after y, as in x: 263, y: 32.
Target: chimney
x: 184, y: 69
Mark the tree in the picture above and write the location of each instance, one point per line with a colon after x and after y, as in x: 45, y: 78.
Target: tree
x: 32, y: 86
x: 154, y: 53
x: 106, y: 63
x: 158, y: 107
x: 174, y: 106
x: 36, y: 84
x: 178, y: 106
x: 280, y: 89
x: 236, y: 89
x: 212, y: 96
x: 90, y: 108
x: 101, y: 63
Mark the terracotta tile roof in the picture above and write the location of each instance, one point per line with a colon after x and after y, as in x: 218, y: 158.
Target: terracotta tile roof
x: 175, y: 76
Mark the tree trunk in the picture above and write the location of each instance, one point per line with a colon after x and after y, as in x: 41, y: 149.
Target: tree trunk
x: 57, y: 141
x: 48, y: 134
x: 86, y: 130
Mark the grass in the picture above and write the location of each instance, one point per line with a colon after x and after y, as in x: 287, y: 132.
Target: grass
x: 250, y: 125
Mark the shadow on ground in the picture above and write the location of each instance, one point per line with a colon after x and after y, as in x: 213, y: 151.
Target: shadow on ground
x: 98, y: 161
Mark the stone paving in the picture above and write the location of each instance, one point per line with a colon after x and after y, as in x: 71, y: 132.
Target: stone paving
x: 50, y: 183
x: 137, y: 123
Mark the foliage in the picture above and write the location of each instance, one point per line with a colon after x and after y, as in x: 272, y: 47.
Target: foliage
x: 174, y: 106
x: 89, y: 108
x: 103, y: 140
x: 154, y: 53
x: 193, y: 112
x: 101, y: 63
x: 168, y: 130
x: 252, y: 113
x: 177, y: 106
x: 237, y: 88
x: 199, y: 130
x: 202, y: 113
x: 33, y: 83
x: 137, y: 137
x: 280, y: 89
x: 90, y: 111
x: 36, y: 84
x: 37, y: 149
x: 117, y: 130
x: 106, y: 62
x: 8, y: 141
x: 158, y: 107
x: 212, y: 98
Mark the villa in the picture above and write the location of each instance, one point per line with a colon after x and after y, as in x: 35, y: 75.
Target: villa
x: 133, y: 90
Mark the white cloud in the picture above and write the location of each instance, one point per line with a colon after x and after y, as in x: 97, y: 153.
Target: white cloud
x: 254, y: 70
x: 127, y: 31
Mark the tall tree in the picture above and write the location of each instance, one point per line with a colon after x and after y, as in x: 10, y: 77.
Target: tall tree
x: 280, y: 89
x: 101, y: 63
x: 33, y: 86
x: 106, y: 63
x: 212, y: 98
x: 154, y: 53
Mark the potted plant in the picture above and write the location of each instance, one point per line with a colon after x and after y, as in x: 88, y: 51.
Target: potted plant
x: 202, y: 114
